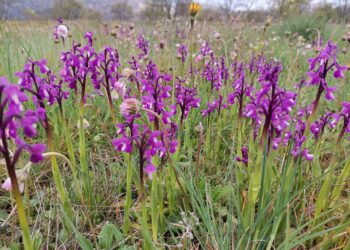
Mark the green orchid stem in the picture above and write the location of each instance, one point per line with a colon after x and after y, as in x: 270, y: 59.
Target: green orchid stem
x: 144, y: 225
x: 225, y: 48
x: 57, y: 176
x: 154, y: 207
x: 160, y: 196
x: 207, y: 139
x: 255, y: 189
x: 323, y: 198
x: 69, y: 144
x: 218, y: 137
x: 111, y: 106
x: 314, y: 109
x: 28, y: 245
x: 83, y: 157
x: 126, y: 225
x: 199, y: 148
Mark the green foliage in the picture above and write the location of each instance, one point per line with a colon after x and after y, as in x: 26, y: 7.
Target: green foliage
x: 73, y: 9
x: 67, y: 9
x: 303, y: 25
x: 292, y: 8
x: 327, y: 12
x: 122, y: 11
x: 109, y: 234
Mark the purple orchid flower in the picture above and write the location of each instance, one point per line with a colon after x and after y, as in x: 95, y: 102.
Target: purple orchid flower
x: 143, y: 45
x: 182, y: 52
x: 13, y: 120
x: 319, y: 67
x: 244, y: 157
x: 345, y: 114
x: 37, y: 79
x: 241, y: 89
x: 224, y: 71
x: 186, y: 99
x: 318, y: 127
x: 155, y: 92
x: 299, y: 138
x: 146, y: 142
x: 271, y: 104
x: 104, y: 69
x: 78, y: 63
x: 212, y: 73
x: 217, y: 105
x: 205, y: 49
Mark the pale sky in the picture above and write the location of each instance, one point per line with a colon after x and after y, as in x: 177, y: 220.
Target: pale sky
x: 257, y: 4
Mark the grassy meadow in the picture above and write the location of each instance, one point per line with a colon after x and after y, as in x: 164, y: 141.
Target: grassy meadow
x: 230, y: 182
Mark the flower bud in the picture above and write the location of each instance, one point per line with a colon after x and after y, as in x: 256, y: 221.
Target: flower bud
x: 268, y: 21
x: 62, y: 30
x: 194, y: 9
x: 86, y: 124
x: 114, y: 33
x: 130, y: 106
x: 161, y: 44
x: 199, y: 128
x: 97, y: 138
x: 22, y: 176
x: 127, y: 72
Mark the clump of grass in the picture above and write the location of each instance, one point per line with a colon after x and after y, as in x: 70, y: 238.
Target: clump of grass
x: 303, y: 25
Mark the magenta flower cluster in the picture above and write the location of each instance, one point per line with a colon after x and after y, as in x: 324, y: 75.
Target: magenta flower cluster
x: 271, y: 105
x: 182, y: 52
x: 319, y: 68
x: 186, y: 99
x: 15, y: 120
x: 155, y: 92
x: 143, y: 46
x: 145, y: 141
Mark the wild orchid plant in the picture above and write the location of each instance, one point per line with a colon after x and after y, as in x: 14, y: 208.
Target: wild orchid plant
x: 242, y: 89
x: 78, y: 67
x: 212, y: 73
x: 182, y: 52
x: 15, y: 120
x: 271, y: 105
x: 186, y: 99
x: 61, y: 31
x: 38, y: 80
x: 319, y: 68
x: 149, y: 143
x: 343, y: 115
x: 143, y: 45
x: 105, y: 73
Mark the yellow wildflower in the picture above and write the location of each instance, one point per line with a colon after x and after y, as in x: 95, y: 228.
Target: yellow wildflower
x: 194, y: 9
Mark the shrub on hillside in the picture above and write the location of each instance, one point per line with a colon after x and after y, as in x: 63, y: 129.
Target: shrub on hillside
x: 303, y: 25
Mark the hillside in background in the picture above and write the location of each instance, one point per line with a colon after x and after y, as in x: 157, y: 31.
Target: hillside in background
x: 23, y: 9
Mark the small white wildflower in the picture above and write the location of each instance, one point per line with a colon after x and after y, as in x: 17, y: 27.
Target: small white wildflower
x: 86, y: 124
x: 62, y: 30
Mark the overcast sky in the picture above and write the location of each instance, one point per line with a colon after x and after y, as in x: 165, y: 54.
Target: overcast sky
x: 258, y: 4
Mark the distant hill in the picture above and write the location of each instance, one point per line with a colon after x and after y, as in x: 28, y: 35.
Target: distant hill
x: 21, y: 9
